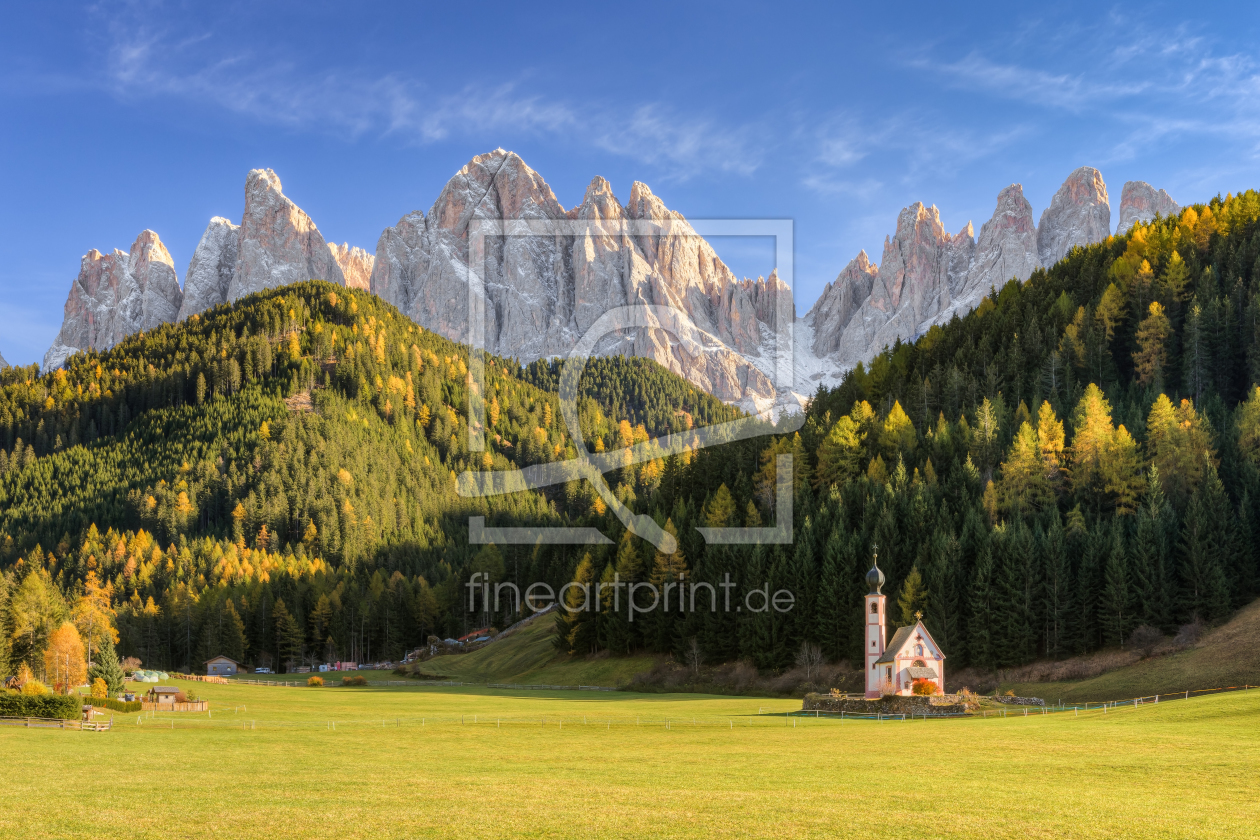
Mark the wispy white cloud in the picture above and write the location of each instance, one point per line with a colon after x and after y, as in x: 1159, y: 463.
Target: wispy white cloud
x: 660, y: 135
x: 905, y: 147
x: 1168, y: 80
x: 828, y: 184
x: 1138, y: 83
x: 1067, y: 91
x: 146, y: 62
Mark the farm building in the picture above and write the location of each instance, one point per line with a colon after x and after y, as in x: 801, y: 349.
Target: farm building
x: 912, y: 655
x: 164, y: 694
x: 221, y: 666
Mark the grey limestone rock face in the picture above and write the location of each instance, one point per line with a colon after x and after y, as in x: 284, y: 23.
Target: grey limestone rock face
x: 277, y: 243
x: 3, y: 363
x: 1005, y: 249
x: 116, y: 295
x: 912, y: 285
x: 927, y: 276
x: 355, y: 264
x: 210, y: 270
x: 1079, y: 214
x: 1140, y: 202
x: 839, y: 301
x: 543, y: 292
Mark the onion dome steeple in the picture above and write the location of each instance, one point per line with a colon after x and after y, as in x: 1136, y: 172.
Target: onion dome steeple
x: 875, y: 578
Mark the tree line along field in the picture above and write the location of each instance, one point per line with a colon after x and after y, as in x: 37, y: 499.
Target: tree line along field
x: 1182, y: 769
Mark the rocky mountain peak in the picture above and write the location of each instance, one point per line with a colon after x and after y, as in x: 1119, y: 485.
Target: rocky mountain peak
x: 209, y: 275
x: 148, y: 248
x: 356, y: 265
x: 598, y: 204
x: 911, y: 261
x: 277, y: 243
x: 543, y: 293
x: 1140, y: 202
x: 960, y: 250
x: 1006, y: 248
x: 1079, y: 214
x: 496, y: 185
x: 644, y: 205
x: 399, y: 256
x: 839, y: 301
x: 116, y: 295
x: 767, y: 295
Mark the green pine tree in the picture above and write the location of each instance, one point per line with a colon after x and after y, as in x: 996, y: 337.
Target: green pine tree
x: 1056, y: 589
x: 1204, y: 586
x: 942, y: 612
x: 980, y: 622
x: 107, y: 667
x: 912, y: 600
x: 1114, y: 607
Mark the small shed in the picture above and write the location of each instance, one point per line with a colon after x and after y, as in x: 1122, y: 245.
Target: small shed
x: 163, y: 694
x: 222, y: 666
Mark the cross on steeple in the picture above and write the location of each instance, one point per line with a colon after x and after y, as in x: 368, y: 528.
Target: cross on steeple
x: 918, y: 615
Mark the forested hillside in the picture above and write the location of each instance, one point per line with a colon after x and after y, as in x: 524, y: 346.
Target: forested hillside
x: 275, y: 481
x: 1075, y: 458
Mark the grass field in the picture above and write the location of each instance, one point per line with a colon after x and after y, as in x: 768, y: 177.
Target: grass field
x: 529, y: 656
x: 400, y: 763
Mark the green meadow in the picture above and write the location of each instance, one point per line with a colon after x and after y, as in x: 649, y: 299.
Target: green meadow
x: 529, y: 656
x: 379, y: 762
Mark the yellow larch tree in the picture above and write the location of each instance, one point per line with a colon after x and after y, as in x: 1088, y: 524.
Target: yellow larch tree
x: 93, y: 614
x: 64, y: 661
x: 1024, y: 487
x: 1151, y: 357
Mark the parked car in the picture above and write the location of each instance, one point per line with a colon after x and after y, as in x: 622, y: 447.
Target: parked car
x: 262, y: 670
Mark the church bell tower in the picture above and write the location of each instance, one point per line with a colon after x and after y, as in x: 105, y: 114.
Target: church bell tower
x: 876, y: 603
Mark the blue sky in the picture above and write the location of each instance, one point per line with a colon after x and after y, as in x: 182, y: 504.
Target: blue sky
x: 119, y: 117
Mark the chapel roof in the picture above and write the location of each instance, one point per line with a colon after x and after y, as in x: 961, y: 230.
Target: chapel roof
x: 897, y: 642
x: 901, y: 638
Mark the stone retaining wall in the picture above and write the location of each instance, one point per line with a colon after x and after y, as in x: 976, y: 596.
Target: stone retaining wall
x: 1019, y: 701
x: 917, y: 706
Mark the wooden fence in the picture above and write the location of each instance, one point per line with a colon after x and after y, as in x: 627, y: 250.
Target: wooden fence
x: 57, y: 723
x: 201, y: 678
x: 199, y: 706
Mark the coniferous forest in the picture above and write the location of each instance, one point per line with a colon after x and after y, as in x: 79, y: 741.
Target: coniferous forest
x: 275, y: 480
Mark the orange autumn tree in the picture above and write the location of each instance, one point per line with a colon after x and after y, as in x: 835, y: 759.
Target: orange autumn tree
x: 64, y: 660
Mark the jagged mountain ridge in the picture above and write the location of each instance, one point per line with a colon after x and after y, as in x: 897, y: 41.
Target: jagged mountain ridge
x: 116, y: 295
x: 927, y: 276
x: 543, y: 293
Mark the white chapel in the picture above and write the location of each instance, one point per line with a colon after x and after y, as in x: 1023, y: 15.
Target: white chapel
x: 912, y: 654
